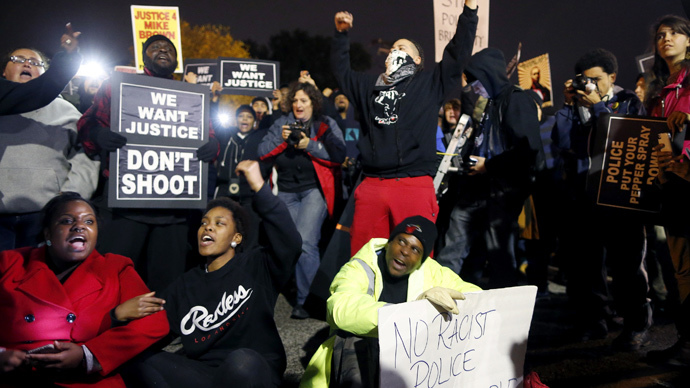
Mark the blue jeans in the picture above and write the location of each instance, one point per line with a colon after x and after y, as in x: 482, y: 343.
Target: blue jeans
x: 308, y: 210
x: 19, y: 230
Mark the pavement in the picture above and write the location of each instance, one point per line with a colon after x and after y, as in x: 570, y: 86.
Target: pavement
x: 559, y: 362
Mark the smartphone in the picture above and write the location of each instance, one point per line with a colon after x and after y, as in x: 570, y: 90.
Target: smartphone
x: 665, y: 139
x: 47, y: 349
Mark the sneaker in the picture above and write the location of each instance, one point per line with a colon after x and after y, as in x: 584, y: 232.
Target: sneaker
x: 678, y: 354
x: 629, y: 340
x: 298, y: 312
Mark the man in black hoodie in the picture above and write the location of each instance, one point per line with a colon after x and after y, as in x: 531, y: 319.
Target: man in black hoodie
x: 399, y: 115
x: 507, y: 151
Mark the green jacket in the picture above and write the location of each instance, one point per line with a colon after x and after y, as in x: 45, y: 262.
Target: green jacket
x: 353, y: 308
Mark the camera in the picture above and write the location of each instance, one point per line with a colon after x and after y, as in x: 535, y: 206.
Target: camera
x: 586, y: 84
x: 296, y: 130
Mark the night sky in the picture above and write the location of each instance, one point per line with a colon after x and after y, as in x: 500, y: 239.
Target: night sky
x: 564, y: 29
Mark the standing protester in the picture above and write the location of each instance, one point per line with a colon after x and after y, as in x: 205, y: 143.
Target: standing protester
x: 490, y: 196
x: 612, y: 238
x: 40, y: 156
x: 307, y: 149
x: 156, y: 239
x: 399, y: 116
x: 668, y: 95
x: 18, y: 98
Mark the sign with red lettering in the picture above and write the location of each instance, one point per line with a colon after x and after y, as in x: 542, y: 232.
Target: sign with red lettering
x: 623, y: 168
x: 164, y: 121
x: 149, y: 20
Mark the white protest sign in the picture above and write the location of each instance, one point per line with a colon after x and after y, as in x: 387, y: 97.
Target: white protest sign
x: 483, y: 346
x: 446, y: 14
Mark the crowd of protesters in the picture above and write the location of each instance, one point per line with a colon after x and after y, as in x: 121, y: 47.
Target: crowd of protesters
x: 91, y: 293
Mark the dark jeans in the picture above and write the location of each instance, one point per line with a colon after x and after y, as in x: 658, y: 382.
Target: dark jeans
x: 19, y: 230
x: 242, y: 368
x: 487, y: 225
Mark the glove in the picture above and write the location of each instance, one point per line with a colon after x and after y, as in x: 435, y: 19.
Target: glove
x: 443, y: 298
x: 107, y: 139
x: 209, y: 151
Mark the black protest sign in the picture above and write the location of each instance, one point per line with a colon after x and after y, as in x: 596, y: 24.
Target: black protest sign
x: 164, y: 121
x: 250, y: 77
x: 624, y: 170
x: 205, y: 70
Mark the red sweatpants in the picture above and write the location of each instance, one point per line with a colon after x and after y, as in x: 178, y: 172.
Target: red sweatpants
x: 381, y: 204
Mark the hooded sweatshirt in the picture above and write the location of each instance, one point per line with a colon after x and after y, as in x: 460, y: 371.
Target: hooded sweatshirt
x: 402, y: 142
x: 510, y: 140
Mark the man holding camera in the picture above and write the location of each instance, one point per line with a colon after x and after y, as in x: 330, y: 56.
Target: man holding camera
x: 399, y: 115
x: 590, y: 231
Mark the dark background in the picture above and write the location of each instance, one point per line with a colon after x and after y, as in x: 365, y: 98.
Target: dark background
x: 564, y: 29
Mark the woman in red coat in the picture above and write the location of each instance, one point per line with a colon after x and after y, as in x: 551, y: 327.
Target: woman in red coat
x: 65, y: 308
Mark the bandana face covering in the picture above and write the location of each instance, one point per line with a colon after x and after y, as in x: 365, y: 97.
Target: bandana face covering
x: 399, y: 65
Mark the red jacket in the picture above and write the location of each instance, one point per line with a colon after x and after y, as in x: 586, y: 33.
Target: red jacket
x: 674, y: 98
x: 36, y: 309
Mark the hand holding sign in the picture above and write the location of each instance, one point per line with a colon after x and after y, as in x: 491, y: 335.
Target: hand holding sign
x: 209, y: 151
x: 443, y: 299
x: 676, y: 120
x: 107, y: 139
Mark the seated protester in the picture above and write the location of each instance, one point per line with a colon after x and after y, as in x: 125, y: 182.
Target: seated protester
x: 68, y: 299
x: 40, y: 156
x: 16, y: 98
x: 402, y: 272
x: 223, y: 310
x: 243, y: 144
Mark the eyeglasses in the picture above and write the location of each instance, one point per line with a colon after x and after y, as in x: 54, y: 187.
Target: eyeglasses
x: 33, y: 62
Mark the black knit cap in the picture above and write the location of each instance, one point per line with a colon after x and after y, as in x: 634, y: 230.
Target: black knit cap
x: 420, y: 227
x: 154, y: 38
x: 245, y: 108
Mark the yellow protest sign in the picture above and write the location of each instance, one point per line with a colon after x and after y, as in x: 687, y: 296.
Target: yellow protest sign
x: 148, y: 20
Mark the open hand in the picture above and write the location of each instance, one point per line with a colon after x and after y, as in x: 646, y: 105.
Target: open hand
x: 139, y: 307
x: 343, y: 21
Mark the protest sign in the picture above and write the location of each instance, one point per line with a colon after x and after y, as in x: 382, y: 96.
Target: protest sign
x: 249, y: 77
x: 164, y: 121
x: 149, y: 20
x: 623, y: 170
x: 446, y: 14
x: 205, y: 70
x: 483, y: 346
x: 535, y: 74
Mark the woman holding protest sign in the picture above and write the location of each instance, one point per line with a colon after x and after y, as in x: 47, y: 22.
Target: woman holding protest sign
x: 307, y: 149
x: 668, y: 96
x: 66, y: 308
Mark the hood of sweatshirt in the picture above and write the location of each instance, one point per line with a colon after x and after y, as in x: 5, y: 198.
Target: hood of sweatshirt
x: 489, y: 67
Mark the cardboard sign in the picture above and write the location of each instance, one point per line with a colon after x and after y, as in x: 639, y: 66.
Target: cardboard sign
x: 483, y: 346
x: 446, y: 14
x: 249, y: 77
x: 535, y: 74
x: 624, y: 170
x: 205, y: 70
x: 164, y: 121
x: 149, y: 20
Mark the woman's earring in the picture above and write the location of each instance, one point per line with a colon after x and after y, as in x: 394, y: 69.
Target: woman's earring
x: 687, y: 55
x: 233, y: 244
x: 48, y: 243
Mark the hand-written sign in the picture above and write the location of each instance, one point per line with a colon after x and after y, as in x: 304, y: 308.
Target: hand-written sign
x: 446, y: 13
x: 624, y: 169
x: 483, y: 346
x: 249, y: 77
x: 165, y: 122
